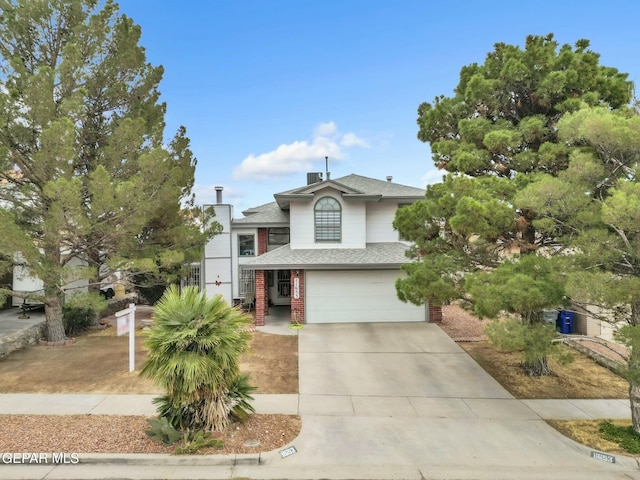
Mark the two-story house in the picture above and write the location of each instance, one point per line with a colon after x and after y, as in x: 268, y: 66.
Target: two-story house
x: 326, y: 250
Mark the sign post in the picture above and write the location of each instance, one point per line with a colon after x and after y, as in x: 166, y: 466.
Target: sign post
x: 126, y: 322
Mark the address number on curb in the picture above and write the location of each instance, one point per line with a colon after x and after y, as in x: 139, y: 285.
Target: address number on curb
x: 288, y: 451
x: 604, y: 457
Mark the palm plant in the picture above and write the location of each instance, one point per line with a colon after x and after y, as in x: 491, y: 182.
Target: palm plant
x: 194, y: 350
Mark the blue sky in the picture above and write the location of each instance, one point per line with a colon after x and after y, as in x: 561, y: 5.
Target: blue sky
x: 267, y: 89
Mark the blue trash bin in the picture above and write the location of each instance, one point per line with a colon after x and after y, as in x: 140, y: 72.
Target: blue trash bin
x: 564, y: 323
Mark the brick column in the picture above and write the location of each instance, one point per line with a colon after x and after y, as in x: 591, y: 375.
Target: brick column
x: 266, y: 292
x: 435, y: 313
x: 262, y: 249
x: 260, y: 297
x: 262, y: 241
x: 297, y: 304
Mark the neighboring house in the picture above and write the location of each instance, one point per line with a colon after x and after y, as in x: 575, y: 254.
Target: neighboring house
x: 326, y: 250
x: 596, y: 321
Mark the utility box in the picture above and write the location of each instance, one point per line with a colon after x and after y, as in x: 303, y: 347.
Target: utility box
x: 550, y: 317
x: 564, y: 323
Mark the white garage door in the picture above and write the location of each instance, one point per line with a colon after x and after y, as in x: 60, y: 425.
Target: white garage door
x: 349, y: 296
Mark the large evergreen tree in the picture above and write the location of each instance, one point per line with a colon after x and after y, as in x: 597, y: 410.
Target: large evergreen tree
x: 496, y: 137
x: 593, y: 209
x: 84, y: 171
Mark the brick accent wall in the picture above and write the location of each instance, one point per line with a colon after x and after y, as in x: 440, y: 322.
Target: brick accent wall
x: 262, y: 241
x: 260, y: 296
x: 297, y: 304
x: 435, y: 313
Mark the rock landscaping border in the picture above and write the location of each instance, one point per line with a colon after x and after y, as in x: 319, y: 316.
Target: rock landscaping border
x: 22, y: 338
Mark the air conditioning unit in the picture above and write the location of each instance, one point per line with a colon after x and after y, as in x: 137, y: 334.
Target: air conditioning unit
x: 314, y: 177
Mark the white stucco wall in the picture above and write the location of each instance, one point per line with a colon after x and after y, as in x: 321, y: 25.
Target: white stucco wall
x: 353, y: 223
x: 217, y: 275
x: 380, y: 217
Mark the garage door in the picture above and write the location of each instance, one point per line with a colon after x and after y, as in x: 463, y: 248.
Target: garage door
x: 348, y: 296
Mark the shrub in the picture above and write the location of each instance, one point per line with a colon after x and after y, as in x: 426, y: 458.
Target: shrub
x: 80, y: 311
x: 535, y: 341
x: 194, y: 354
x: 626, y: 437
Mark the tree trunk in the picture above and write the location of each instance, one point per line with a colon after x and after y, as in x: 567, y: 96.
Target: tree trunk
x: 53, y: 315
x: 94, y: 282
x: 634, y: 400
x: 538, y: 368
x: 634, y: 370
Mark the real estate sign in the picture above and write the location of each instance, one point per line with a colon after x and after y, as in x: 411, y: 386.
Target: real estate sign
x: 126, y: 323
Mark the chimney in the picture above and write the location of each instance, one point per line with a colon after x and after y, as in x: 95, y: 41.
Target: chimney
x: 389, y: 178
x: 219, y: 195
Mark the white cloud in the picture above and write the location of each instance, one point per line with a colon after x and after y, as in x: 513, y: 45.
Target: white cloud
x: 352, y: 140
x: 326, y: 129
x: 298, y: 156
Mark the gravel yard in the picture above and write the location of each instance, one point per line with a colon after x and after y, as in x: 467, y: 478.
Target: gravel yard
x: 461, y: 325
x: 126, y: 434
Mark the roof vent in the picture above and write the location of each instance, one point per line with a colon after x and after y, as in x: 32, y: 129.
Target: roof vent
x: 314, y: 177
x: 389, y: 178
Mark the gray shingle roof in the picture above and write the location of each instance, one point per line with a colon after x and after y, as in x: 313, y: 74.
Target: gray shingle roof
x: 269, y: 213
x: 365, y: 186
x: 373, y: 186
x: 375, y: 255
x: 353, y: 185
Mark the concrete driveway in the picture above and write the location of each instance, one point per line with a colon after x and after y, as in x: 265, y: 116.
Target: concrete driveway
x: 405, y: 401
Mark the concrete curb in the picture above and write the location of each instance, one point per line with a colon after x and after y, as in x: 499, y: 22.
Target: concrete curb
x: 142, y: 459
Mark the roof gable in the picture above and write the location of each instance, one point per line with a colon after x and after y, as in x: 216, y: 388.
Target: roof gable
x: 352, y: 187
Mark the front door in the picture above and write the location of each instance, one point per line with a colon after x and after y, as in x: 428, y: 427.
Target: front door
x: 281, y: 294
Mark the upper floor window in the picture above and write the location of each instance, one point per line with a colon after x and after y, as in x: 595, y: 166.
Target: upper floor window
x: 278, y: 235
x: 328, y: 220
x: 246, y: 245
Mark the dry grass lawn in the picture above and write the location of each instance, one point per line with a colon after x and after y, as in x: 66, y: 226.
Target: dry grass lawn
x: 582, y: 378
x: 586, y: 433
x: 99, y: 363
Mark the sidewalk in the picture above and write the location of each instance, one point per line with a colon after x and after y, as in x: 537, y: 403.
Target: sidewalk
x: 293, y: 404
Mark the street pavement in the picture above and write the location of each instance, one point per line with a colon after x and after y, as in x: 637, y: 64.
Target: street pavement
x: 377, y: 401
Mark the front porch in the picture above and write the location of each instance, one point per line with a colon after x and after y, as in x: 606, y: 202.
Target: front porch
x: 279, y: 297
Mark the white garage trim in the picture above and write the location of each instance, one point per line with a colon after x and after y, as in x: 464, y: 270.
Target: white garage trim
x: 356, y: 296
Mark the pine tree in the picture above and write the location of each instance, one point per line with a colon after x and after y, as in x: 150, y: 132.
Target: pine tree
x: 84, y: 171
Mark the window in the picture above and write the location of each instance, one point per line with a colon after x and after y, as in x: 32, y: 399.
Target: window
x: 192, y: 278
x: 278, y: 236
x: 246, y: 246
x: 328, y: 220
x: 247, y: 282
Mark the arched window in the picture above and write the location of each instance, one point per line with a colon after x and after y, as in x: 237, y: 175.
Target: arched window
x: 328, y: 220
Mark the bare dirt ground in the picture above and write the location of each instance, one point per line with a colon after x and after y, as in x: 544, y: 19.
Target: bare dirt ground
x: 98, y: 363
